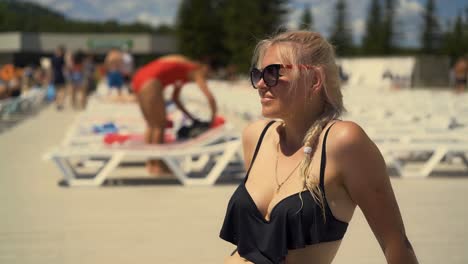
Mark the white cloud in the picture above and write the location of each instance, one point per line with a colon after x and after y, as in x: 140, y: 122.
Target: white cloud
x: 45, y: 2
x: 320, y: 12
x: 359, y: 26
x: 294, y: 18
x: 408, y: 22
x: 409, y: 7
x: 64, y: 6
x: 128, y: 5
x: 152, y: 19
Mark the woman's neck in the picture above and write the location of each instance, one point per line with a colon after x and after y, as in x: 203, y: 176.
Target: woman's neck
x: 292, y: 132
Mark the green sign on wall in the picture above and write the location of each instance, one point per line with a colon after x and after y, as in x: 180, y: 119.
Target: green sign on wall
x: 99, y: 44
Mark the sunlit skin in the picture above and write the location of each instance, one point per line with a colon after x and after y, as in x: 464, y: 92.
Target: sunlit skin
x: 461, y: 74
x: 352, y: 159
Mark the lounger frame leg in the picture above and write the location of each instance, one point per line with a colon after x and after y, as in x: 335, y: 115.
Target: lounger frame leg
x: 72, y: 178
x: 227, y: 154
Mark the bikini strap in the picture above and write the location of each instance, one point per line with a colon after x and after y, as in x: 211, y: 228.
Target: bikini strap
x: 257, y: 148
x: 323, y: 162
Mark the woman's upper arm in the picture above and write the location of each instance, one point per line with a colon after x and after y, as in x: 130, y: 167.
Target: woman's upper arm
x: 366, y: 180
x: 250, y: 136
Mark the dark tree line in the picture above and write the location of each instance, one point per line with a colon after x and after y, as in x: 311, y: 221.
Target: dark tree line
x: 455, y: 38
x: 341, y: 32
x: 227, y: 30
x: 382, y: 32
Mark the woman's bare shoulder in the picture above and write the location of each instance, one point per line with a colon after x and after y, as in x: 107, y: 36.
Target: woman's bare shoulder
x: 345, y: 135
x: 250, y: 137
x: 251, y: 133
x: 357, y: 155
x: 254, y: 129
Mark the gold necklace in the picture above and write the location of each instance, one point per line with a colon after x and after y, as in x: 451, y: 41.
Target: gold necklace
x: 276, y: 170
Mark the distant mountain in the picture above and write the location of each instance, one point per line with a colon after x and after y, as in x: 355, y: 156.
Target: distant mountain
x: 26, y: 8
x: 32, y: 17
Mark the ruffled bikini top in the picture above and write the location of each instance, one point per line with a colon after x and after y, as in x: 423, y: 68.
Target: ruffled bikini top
x: 264, y: 241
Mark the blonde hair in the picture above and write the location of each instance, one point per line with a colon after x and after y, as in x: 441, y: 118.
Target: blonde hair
x: 310, y: 48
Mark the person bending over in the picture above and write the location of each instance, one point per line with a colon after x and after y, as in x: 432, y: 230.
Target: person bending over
x: 148, y: 84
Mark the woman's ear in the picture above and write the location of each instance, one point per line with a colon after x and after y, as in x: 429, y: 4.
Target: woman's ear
x: 315, y: 88
x: 317, y: 80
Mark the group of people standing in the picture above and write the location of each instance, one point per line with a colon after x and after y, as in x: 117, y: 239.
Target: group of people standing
x: 74, y: 71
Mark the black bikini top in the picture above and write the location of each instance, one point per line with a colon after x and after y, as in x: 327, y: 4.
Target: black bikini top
x: 290, y: 226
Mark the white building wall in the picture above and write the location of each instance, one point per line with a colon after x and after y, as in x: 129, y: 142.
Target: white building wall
x: 96, y: 42
x: 10, y: 41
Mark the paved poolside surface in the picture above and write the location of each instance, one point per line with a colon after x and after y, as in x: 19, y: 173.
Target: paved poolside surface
x: 42, y: 222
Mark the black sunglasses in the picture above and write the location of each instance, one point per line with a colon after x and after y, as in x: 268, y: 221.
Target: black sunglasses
x: 271, y: 73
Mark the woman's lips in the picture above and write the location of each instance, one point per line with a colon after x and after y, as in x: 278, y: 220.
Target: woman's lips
x: 266, y: 99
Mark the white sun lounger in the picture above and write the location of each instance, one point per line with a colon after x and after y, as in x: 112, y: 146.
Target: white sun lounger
x: 21, y: 105
x: 218, y: 145
x: 437, y: 152
x: 182, y: 159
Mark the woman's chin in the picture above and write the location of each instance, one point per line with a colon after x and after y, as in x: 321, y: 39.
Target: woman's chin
x: 268, y: 113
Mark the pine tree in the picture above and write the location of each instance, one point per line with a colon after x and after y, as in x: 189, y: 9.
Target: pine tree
x: 272, y: 15
x: 454, y: 39
x: 430, y: 32
x: 457, y: 48
x: 199, y: 32
x: 388, y: 36
x: 341, y: 35
x: 465, y: 31
x: 242, y: 29
x: 372, y: 40
x: 307, y: 20
x: 247, y: 21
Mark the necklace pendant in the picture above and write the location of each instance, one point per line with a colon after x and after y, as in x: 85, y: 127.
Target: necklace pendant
x: 278, y: 189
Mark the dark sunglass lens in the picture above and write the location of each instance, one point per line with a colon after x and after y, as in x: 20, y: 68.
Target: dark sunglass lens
x: 270, y: 75
x: 255, y: 76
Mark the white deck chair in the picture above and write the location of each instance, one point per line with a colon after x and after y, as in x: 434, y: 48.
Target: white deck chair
x: 16, y: 109
x: 194, y: 156
x: 393, y: 152
x: 81, y: 131
x: 126, y: 117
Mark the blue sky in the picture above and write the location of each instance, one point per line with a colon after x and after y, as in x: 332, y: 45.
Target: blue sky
x: 156, y: 12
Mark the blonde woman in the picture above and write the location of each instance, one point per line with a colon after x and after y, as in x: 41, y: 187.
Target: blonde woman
x: 308, y: 172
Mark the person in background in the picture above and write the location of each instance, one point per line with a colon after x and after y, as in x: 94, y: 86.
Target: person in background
x: 460, y: 70
x: 3, y: 90
x: 7, y: 73
x: 89, y: 69
x: 77, y: 80
x: 10, y: 81
x: 148, y: 84
x: 114, y: 74
x: 127, y: 65
x: 58, y: 76
x: 27, y: 79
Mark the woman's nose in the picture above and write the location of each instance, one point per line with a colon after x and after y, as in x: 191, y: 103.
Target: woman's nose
x: 261, y: 84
